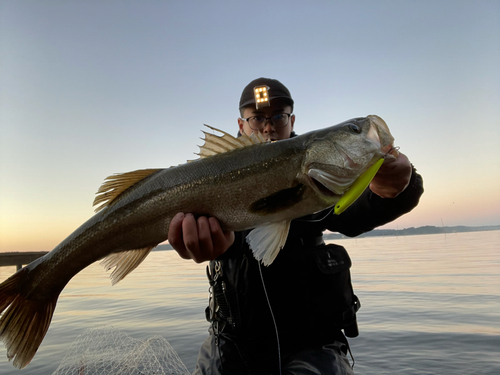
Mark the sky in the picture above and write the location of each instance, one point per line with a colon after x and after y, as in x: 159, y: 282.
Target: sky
x: 93, y: 88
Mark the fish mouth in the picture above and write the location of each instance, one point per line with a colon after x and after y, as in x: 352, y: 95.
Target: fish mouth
x: 329, y: 185
x: 323, y: 190
x: 333, y: 180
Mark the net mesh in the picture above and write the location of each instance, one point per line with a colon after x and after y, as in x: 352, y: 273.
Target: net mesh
x: 108, y: 351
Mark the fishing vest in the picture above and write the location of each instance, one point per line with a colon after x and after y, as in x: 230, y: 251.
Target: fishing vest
x: 307, y: 291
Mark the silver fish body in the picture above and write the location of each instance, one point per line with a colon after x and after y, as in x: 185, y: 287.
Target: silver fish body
x: 245, y: 183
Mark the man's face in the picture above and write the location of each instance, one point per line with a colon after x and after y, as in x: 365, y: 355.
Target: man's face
x: 269, y: 131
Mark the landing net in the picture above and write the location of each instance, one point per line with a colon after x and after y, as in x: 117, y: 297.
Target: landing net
x: 108, y: 351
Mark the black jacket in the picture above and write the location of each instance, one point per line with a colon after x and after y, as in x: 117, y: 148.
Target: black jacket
x: 308, y: 287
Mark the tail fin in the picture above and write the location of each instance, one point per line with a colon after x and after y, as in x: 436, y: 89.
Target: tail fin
x: 24, y: 321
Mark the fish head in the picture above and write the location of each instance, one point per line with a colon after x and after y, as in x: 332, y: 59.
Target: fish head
x: 338, y: 155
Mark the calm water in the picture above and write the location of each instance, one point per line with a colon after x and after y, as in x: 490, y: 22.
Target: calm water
x: 430, y: 305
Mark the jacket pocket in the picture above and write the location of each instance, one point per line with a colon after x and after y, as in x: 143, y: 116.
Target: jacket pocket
x: 332, y: 259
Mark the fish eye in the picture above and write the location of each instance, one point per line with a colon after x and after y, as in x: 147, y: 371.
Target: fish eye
x: 354, y: 128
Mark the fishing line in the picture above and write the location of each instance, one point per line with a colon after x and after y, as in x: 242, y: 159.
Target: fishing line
x: 317, y: 220
x: 274, y: 320
x: 264, y: 285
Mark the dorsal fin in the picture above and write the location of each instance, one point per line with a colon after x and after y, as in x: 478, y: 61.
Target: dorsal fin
x: 218, y: 144
x: 116, y: 184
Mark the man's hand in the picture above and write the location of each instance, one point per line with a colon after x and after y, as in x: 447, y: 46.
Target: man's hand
x: 392, y: 177
x: 198, y: 239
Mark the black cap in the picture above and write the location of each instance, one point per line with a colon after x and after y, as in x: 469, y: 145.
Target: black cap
x: 277, y: 90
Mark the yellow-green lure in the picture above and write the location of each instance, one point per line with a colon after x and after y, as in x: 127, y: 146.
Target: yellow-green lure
x: 358, y: 187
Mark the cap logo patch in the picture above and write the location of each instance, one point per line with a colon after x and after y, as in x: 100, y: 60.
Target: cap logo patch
x: 261, y: 96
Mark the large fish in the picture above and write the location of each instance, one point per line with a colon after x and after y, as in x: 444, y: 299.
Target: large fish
x: 245, y: 182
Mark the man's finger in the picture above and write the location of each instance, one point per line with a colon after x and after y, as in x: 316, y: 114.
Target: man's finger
x: 204, y: 238
x: 175, y: 232
x: 221, y: 240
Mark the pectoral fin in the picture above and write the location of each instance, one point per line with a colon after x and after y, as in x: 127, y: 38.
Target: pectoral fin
x: 125, y: 262
x: 267, y: 241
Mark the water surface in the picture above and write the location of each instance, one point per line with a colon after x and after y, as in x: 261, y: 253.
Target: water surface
x: 430, y: 305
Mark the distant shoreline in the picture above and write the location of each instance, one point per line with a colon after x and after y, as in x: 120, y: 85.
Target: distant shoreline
x: 428, y: 229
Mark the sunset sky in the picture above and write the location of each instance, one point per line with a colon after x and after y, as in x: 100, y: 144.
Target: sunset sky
x: 92, y: 88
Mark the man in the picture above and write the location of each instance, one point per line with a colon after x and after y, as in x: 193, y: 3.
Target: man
x: 287, y: 318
